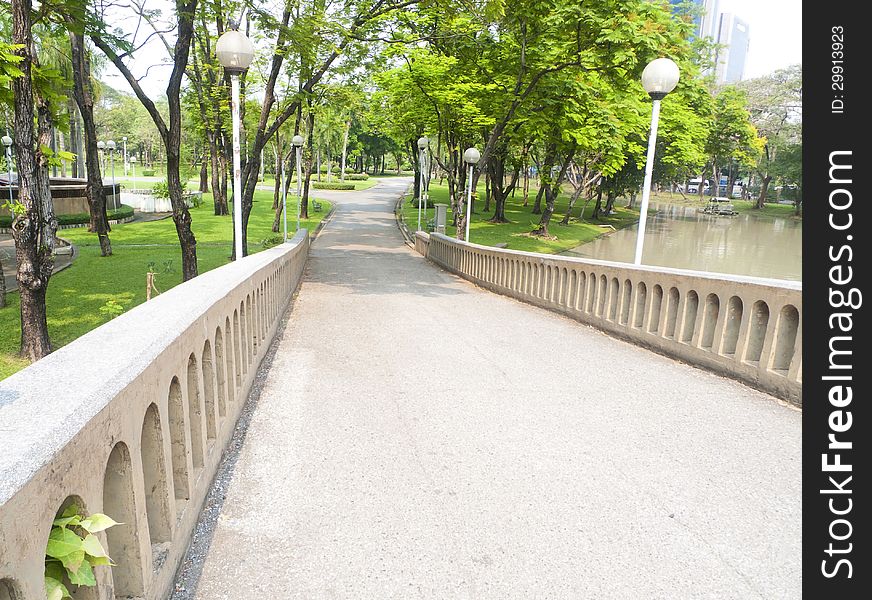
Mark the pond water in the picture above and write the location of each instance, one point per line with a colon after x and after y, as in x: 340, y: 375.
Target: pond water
x: 683, y: 238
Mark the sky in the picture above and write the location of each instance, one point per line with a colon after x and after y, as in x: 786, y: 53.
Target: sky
x: 775, y: 42
x: 775, y: 28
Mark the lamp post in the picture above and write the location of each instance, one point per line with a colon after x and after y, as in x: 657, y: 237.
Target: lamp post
x: 423, y: 143
x: 124, y: 149
x: 110, y: 145
x: 133, y: 169
x: 235, y: 53
x: 7, y: 145
x: 471, y: 157
x: 297, y: 141
x: 101, y: 147
x: 659, y: 78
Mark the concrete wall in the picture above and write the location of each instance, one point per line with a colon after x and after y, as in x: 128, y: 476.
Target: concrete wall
x: 742, y: 327
x: 131, y: 420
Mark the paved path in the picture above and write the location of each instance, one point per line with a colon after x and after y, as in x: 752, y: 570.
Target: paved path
x: 7, y: 260
x: 418, y: 437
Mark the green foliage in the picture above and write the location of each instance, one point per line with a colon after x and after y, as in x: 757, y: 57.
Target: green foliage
x: 73, y: 551
x: 8, y: 71
x: 122, y: 212
x: 148, y: 172
x: 112, y: 308
x: 356, y: 177
x: 271, y: 241
x: 323, y: 185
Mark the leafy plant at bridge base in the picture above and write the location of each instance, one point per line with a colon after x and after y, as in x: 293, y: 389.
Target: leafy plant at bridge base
x: 73, y: 551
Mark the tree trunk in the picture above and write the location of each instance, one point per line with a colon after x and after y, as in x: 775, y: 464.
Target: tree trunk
x: 84, y: 97
x: 552, y: 190
x: 764, y: 189
x: 2, y: 287
x: 204, y: 176
x: 304, y: 201
x: 33, y: 249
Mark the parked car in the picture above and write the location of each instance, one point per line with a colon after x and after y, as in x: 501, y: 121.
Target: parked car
x: 693, y: 186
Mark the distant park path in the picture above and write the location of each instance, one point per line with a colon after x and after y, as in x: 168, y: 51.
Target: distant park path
x: 419, y: 437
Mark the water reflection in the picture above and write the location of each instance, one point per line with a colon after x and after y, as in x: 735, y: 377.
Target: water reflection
x: 682, y: 237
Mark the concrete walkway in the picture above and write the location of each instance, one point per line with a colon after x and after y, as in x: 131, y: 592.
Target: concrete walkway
x: 10, y: 266
x: 418, y: 437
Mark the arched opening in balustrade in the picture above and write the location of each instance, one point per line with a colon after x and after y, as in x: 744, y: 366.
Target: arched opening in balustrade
x: 243, y: 337
x: 641, y: 301
x: 563, y: 289
x: 239, y: 331
x: 178, y: 444
x: 735, y: 310
x: 154, y: 475
x: 691, y: 308
x: 656, y: 307
x: 77, y: 592
x: 603, y: 296
x: 672, y: 300
x: 626, y: 302
x: 237, y: 350
x: 209, y: 391
x: 220, y: 374
x: 757, y: 331
x: 572, y: 289
x: 614, y: 299
x: 579, y: 291
x: 9, y: 590
x: 195, y: 412
x: 785, y: 338
x: 548, y: 282
x: 591, y: 294
x: 528, y: 279
x: 122, y: 541
x: 233, y: 375
x: 250, y: 329
x: 710, y: 321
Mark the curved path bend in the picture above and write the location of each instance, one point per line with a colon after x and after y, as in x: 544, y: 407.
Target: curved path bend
x: 418, y: 437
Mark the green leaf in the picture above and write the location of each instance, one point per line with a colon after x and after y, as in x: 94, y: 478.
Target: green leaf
x: 55, y: 590
x: 101, y: 561
x: 98, y: 522
x: 93, y: 547
x: 62, y: 542
x: 67, y: 521
x: 72, y: 510
x: 73, y: 561
x: 54, y: 569
x: 84, y: 575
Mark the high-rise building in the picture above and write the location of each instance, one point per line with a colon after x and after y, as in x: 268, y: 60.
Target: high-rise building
x: 704, y: 12
x: 733, y: 40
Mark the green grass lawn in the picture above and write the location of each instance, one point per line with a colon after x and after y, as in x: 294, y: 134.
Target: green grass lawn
x: 522, y: 222
x: 76, y: 294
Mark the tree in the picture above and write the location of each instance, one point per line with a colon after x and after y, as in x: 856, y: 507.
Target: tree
x: 170, y: 129
x: 775, y: 104
x: 84, y: 97
x: 33, y: 224
x: 732, y: 136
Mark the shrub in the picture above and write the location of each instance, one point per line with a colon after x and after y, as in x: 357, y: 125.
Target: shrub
x: 123, y: 212
x: 148, y: 172
x: 356, y: 177
x: 271, y: 241
x: 323, y: 185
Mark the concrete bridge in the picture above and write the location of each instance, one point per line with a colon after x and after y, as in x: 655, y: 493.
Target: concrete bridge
x: 409, y: 434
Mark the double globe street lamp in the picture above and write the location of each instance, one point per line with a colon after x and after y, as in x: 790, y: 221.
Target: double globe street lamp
x: 471, y: 157
x: 235, y: 53
x: 297, y: 142
x: 659, y: 78
x: 423, y: 180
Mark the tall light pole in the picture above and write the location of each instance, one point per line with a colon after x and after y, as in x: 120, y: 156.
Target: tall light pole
x: 124, y: 149
x: 423, y: 143
x: 110, y: 145
x: 297, y: 141
x: 659, y: 78
x: 7, y: 145
x: 235, y: 53
x: 101, y: 147
x: 471, y: 157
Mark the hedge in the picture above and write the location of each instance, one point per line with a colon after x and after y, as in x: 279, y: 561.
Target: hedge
x: 148, y: 172
x: 323, y: 185
x: 356, y: 176
x: 123, y: 212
